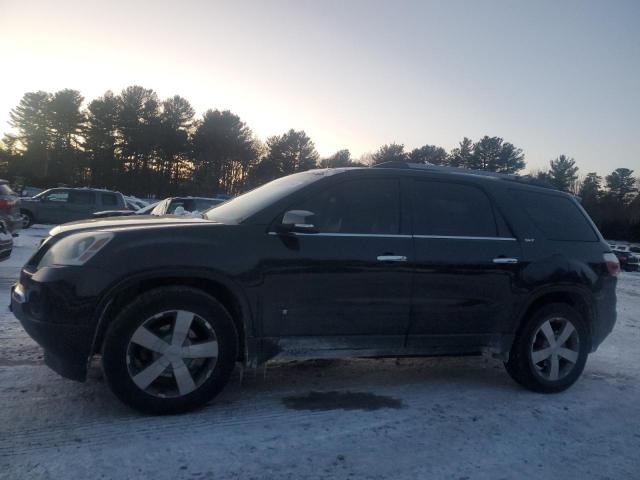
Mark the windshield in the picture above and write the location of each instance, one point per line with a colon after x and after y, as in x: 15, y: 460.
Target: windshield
x: 242, y: 207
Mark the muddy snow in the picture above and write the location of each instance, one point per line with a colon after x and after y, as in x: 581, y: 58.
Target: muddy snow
x: 457, y: 418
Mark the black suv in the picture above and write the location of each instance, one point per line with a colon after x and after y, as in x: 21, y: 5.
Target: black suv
x: 365, y: 262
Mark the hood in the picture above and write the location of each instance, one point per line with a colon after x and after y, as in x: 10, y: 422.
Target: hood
x: 128, y: 222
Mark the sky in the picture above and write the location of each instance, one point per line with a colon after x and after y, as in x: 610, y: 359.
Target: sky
x: 551, y: 77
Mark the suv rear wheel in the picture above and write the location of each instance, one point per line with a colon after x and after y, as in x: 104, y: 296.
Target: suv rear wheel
x: 170, y: 351
x: 550, y: 350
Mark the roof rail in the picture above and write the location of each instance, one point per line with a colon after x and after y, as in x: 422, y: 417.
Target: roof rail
x: 512, y: 177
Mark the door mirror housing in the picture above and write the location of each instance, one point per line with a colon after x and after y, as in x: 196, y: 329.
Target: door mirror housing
x: 302, y: 221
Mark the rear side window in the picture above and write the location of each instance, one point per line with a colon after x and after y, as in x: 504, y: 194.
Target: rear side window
x: 78, y: 197
x: 452, y: 209
x: 109, y: 199
x: 559, y: 218
x: 367, y: 206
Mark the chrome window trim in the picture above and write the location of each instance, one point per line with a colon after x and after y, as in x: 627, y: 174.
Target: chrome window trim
x: 375, y: 235
x: 383, y: 235
x: 462, y: 237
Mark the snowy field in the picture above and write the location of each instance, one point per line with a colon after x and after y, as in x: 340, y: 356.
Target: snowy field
x: 452, y: 418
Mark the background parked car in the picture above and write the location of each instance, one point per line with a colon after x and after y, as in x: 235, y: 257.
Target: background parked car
x: 6, y: 242
x: 168, y: 206
x: 9, y: 208
x: 61, y: 205
x: 126, y: 213
x: 628, y: 261
x: 134, y: 203
x: 184, y: 205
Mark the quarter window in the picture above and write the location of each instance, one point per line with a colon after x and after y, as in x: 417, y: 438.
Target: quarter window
x: 367, y: 206
x: 452, y: 209
x: 109, y: 199
x: 557, y: 216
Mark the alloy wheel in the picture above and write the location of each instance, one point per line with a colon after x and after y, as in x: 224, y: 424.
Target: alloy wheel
x: 555, y: 349
x: 172, y: 353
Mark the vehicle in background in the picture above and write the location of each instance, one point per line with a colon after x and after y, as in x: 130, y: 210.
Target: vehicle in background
x: 185, y: 205
x: 628, y: 261
x: 61, y: 205
x: 10, y: 208
x: 395, y: 260
x: 6, y: 242
x: 627, y: 248
x: 125, y: 213
x: 134, y: 203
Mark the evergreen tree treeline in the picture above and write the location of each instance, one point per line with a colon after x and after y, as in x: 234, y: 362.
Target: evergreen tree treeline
x: 137, y: 143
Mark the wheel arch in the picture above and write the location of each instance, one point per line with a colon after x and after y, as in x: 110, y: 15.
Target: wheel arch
x: 576, y: 297
x: 219, y: 287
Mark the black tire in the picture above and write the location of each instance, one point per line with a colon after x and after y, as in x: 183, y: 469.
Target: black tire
x: 27, y: 218
x: 520, y: 365
x: 119, y: 335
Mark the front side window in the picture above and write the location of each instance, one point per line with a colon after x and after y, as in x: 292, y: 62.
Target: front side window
x: 367, y: 206
x: 57, y: 196
x: 452, y: 209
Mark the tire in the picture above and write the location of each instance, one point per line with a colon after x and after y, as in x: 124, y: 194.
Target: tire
x: 153, y: 380
x: 27, y: 218
x: 550, y: 366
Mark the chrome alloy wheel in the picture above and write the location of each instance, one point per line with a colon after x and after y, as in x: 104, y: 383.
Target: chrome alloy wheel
x: 555, y: 349
x: 172, y: 353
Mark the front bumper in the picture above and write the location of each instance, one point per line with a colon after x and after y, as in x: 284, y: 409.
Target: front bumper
x: 13, y: 222
x: 66, y: 347
x: 6, y: 246
x: 57, y: 307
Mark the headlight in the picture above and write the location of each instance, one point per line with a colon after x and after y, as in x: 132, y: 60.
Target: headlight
x: 76, y: 249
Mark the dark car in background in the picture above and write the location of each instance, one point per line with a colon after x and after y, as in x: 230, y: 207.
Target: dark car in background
x: 61, y: 205
x: 396, y: 260
x: 6, y: 242
x: 9, y: 208
x: 629, y: 262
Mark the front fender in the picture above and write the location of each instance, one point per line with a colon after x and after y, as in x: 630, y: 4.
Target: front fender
x: 186, y: 275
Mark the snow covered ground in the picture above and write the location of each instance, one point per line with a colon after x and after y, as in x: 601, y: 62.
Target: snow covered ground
x: 454, y: 418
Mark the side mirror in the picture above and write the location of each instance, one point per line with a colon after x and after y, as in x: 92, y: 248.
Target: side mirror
x: 298, y: 221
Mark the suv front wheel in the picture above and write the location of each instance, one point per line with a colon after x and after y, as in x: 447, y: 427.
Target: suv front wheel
x: 550, y: 350
x: 169, y: 351
x: 27, y: 218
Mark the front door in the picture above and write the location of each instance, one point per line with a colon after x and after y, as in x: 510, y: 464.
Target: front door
x: 52, y: 206
x: 348, y: 286
x: 466, y: 262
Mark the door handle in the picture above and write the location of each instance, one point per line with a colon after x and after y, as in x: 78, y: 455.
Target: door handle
x: 392, y: 258
x: 505, y: 260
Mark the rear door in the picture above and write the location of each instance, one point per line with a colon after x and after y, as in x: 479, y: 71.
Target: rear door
x: 466, y: 261
x: 80, y: 205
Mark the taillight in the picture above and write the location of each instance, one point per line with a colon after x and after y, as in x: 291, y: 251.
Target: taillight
x: 613, y: 264
x: 4, y: 203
